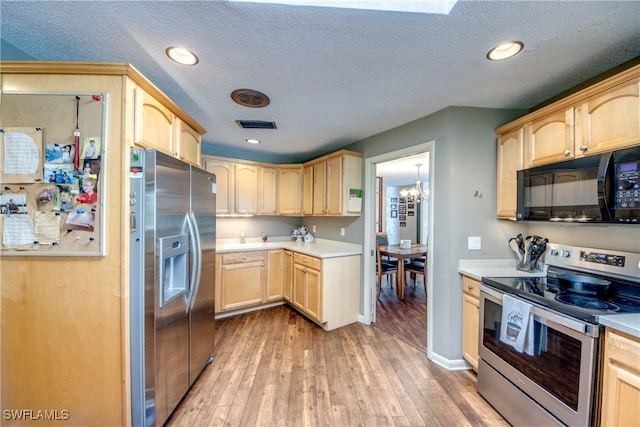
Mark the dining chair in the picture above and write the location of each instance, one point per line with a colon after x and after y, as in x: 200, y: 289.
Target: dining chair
x: 417, y: 266
x: 383, y: 240
x: 385, y: 267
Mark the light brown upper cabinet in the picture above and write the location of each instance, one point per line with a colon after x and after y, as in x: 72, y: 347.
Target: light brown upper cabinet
x: 549, y: 139
x: 602, y: 117
x: 225, y: 184
x: 609, y: 120
x: 307, y: 190
x: 188, y: 143
x: 268, y: 190
x: 157, y: 126
x: 337, y: 184
x: 290, y: 190
x: 246, y: 189
x: 510, y: 160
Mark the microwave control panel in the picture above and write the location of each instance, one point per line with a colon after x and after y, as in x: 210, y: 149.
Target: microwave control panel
x: 627, y: 191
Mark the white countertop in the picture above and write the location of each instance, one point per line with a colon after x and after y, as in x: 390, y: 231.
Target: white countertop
x: 479, y: 268
x: 320, y: 248
x: 628, y: 323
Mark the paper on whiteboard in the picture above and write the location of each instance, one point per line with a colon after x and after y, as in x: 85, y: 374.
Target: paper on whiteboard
x: 18, y: 230
x: 21, y: 154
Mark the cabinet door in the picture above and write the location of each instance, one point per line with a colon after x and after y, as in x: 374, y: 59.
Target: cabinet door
x: 299, y: 285
x: 621, y: 381
x: 246, y: 189
x: 549, y: 139
x: 610, y: 120
x: 288, y: 276
x: 224, y: 172
x: 188, y: 143
x: 154, y: 124
x: 313, y: 290
x: 320, y: 188
x: 307, y: 191
x: 510, y: 160
x: 470, y: 329
x: 242, y: 284
x: 268, y: 191
x: 334, y: 188
x: 289, y: 190
x: 275, y: 274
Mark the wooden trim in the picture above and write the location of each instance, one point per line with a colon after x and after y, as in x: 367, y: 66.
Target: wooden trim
x: 102, y: 69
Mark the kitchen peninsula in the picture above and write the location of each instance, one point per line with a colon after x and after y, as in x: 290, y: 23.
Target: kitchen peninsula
x: 321, y: 280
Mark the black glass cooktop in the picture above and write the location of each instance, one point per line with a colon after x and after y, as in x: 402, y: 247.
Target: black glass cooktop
x: 622, y: 296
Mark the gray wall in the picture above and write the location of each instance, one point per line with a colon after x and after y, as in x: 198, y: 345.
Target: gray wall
x: 465, y: 161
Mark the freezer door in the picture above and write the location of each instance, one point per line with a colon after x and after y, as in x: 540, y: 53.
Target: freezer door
x: 169, y: 187
x: 203, y: 207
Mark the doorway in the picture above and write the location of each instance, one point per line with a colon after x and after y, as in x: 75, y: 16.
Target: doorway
x: 372, y: 215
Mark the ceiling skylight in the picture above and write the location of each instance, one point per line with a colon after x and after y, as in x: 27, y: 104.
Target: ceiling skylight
x: 442, y: 7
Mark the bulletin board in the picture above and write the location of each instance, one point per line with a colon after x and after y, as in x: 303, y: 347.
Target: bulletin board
x: 52, y: 174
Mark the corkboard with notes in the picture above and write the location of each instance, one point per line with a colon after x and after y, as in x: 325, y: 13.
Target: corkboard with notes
x: 52, y: 160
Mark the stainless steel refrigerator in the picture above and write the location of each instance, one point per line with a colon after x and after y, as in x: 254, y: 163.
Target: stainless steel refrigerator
x: 172, y: 225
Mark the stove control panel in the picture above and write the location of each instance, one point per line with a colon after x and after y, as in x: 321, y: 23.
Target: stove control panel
x: 602, y: 258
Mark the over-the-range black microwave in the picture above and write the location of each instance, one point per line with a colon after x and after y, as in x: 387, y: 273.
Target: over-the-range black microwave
x: 603, y: 188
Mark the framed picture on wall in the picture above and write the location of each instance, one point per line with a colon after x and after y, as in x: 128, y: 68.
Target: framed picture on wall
x: 403, y: 224
x: 411, y: 206
x: 393, y: 200
x: 393, y: 206
x: 402, y: 218
x: 403, y: 200
x: 410, y: 213
x: 403, y: 209
x: 394, y: 214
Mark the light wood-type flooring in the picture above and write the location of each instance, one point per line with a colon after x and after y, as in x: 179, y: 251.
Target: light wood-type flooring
x: 405, y: 319
x: 276, y: 368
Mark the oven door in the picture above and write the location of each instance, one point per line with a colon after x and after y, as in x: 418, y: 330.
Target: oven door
x: 560, y: 376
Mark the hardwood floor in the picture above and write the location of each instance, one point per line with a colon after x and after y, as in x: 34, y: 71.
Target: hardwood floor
x: 276, y: 368
x: 405, y: 319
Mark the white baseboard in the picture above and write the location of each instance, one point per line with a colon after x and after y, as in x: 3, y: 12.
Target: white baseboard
x: 449, y: 364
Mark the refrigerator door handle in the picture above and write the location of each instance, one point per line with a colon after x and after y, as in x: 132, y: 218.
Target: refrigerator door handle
x: 198, y: 251
x: 194, y: 262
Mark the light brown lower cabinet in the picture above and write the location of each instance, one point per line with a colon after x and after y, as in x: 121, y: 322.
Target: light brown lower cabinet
x: 326, y: 290
x: 621, y: 380
x: 288, y: 276
x: 240, y: 280
x: 470, y: 320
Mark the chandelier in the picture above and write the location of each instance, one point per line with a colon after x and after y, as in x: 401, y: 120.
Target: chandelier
x: 417, y: 193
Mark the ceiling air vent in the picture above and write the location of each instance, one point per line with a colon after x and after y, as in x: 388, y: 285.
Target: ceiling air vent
x: 250, y: 98
x: 256, y: 124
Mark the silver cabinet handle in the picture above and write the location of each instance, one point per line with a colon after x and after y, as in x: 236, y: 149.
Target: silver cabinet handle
x: 583, y: 148
x: 567, y: 152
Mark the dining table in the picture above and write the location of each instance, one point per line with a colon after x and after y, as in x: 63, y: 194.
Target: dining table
x: 416, y: 250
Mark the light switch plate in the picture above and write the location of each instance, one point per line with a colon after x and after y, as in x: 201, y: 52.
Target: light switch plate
x: 474, y: 243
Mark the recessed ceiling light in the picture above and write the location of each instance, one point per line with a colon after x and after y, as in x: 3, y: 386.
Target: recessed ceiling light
x: 253, y: 141
x: 182, y: 55
x: 505, y: 50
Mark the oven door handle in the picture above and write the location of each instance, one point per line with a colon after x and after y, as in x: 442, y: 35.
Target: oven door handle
x: 544, y: 316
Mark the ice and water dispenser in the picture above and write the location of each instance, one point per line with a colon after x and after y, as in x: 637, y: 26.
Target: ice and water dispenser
x: 174, y: 271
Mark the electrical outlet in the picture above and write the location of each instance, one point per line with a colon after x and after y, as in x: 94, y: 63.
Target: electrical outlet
x: 342, y: 232
x: 474, y: 243
x: 313, y: 227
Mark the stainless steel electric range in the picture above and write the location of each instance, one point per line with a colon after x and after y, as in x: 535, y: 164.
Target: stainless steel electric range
x: 556, y: 380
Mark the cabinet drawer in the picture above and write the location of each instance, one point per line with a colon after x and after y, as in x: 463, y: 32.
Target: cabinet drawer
x: 471, y: 286
x: 623, y: 350
x: 238, y: 257
x: 307, y: 261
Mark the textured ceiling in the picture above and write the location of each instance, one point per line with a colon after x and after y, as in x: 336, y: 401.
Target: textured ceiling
x: 334, y: 76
